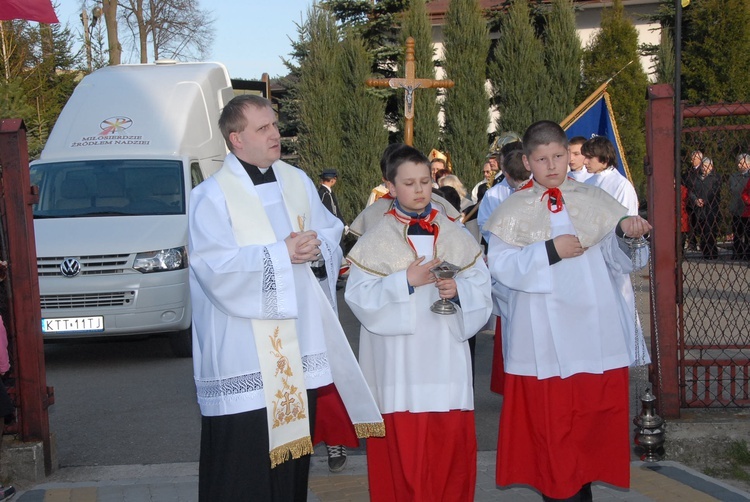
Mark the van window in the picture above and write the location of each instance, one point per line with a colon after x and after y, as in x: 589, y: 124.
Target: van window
x: 108, y: 188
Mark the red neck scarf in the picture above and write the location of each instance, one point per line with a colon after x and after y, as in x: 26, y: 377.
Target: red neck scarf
x: 554, y: 199
x: 426, y: 223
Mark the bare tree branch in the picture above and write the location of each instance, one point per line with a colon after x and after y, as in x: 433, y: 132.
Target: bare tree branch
x: 175, y: 29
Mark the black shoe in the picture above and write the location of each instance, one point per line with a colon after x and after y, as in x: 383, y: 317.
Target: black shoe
x: 7, y: 492
x: 336, y: 458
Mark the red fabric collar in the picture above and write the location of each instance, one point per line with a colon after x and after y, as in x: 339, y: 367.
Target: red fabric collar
x: 554, y: 199
x: 551, y: 193
x: 526, y: 184
x: 426, y: 223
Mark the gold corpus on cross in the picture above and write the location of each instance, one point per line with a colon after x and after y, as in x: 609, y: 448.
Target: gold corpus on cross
x: 409, y: 85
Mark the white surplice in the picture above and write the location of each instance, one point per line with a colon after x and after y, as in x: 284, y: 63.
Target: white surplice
x: 580, y: 175
x: 615, y: 184
x: 618, y: 186
x: 564, y: 318
x: 231, y: 285
x: 413, y: 359
x: 492, y: 198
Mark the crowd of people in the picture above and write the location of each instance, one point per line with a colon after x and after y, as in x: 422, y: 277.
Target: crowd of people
x: 701, y: 191
x: 544, y: 245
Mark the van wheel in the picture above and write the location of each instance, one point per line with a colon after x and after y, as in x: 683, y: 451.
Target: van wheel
x: 182, y: 342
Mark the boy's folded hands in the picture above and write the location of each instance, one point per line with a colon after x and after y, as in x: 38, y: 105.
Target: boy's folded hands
x: 568, y: 246
x: 419, y: 274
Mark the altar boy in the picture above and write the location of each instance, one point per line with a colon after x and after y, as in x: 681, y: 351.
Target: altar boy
x: 417, y: 362
x: 567, y: 347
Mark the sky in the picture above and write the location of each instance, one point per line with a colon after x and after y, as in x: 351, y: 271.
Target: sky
x: 251, y: 35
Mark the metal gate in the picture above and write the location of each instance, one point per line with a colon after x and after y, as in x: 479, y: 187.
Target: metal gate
x: 710, y: 353
x: 714, y: 320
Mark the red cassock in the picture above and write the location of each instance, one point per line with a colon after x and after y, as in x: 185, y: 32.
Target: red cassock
x: 398, y: 463
x: 497, y: 377
x: 558, y: 434
x: 332, y: 424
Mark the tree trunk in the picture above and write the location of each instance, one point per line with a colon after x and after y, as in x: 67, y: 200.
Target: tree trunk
x: 142, y: 29
x: 6, y: 57
x: 110, y: 16
x: 154, y: 29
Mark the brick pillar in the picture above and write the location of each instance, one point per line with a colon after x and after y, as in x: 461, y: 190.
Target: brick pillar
x: 33, y: 397
x: 663, y: 209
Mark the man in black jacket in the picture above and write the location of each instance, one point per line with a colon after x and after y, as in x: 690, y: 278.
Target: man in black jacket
x: 704, y: 196
x: 689, y: 175
x: 328, y: 178
x: 336, y: 453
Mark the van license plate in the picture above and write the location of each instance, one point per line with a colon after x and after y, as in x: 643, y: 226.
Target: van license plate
x: 72, y: 324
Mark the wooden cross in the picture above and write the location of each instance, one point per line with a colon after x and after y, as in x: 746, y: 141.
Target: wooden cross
x: 409, y: 85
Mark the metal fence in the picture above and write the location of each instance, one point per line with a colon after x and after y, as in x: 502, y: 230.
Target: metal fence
x: 713, y: 273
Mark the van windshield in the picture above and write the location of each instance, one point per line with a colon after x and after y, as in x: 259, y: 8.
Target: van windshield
x: 108, y: 188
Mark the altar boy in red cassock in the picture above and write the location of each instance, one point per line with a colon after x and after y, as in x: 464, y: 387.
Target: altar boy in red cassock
x: 417, y: 362
x: 568, y: 345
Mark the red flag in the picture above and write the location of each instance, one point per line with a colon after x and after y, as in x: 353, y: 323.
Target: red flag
x: 30, y: 10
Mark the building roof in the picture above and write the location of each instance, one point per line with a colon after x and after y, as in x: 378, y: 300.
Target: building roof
x: 436, y: 9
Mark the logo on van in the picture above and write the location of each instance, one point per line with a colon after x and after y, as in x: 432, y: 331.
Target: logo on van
x: 114, y: 125
x: 70, y: 267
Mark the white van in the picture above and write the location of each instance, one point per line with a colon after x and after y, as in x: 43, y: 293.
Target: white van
x: 114, y: 180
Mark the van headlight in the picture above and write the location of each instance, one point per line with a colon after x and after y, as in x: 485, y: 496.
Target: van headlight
x: 161, y: 260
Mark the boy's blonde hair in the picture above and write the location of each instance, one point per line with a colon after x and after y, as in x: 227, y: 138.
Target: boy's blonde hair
x: 452, y: 180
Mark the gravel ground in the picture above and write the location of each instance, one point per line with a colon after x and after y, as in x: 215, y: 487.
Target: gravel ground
x: 706, y: 439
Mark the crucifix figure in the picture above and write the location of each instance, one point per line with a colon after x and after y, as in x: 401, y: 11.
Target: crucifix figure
x: 409, y: 84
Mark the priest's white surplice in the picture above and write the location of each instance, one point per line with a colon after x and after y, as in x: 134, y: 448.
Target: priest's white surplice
x: 232, y: 285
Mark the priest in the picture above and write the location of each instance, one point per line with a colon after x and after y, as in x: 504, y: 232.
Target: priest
x: 265, y: 336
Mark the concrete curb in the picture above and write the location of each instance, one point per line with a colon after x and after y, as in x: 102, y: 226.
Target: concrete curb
x: 660, y: 482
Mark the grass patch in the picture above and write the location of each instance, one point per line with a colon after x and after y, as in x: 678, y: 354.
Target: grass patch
x: 739, y: 453
x: 734, y: 464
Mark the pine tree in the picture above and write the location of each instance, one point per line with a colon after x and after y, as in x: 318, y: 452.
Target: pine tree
x: 364, y: 134
x: 615, y: 49
x: 562, y: 54
x: 519, y: 80
x: 662, y: 53
x: 664, y: 65
x: 288, y: 103
x: 340, y: 122
x: 318, y: 95
x: 377, y: 23
x: 466, y: 47
x: 37, y: 77
x: 426, y: 106
x: 716, y: 51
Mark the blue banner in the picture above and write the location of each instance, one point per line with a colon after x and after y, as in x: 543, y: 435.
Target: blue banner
x: 594, y: 117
